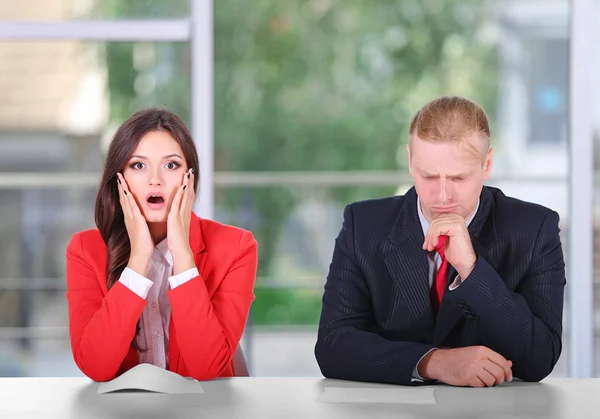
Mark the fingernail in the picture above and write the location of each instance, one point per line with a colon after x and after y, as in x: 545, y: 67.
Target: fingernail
x: 118, y: 180
x: 188, y: 175
x: 192, y: 169
x: 184, y: 185
x: 125, y: 192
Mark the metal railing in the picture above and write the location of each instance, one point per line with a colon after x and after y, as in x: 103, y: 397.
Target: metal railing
x: 225, y: 179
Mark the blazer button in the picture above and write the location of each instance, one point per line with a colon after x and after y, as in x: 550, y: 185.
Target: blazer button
x: 461, y: 303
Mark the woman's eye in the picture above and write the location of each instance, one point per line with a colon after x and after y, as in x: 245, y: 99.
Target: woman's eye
x: 171, y: 165
x: 137, y: 165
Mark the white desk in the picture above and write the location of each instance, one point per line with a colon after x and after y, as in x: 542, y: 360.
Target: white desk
x: 308, y: 398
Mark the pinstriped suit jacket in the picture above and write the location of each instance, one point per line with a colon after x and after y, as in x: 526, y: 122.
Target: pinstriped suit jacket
x: 377, y: 322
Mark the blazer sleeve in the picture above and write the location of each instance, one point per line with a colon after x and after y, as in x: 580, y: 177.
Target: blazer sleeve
x: 209, y: 329
x: 524, y: 325
x: 347, y: 347
x: 101, y: 326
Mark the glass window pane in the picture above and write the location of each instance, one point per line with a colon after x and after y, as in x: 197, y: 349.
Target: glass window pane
x: 331, y: 86
x: 298, y: 86
x: 42, y: 357
x: 595, y: 114
x: 61, y: 100
x: 60, y: 104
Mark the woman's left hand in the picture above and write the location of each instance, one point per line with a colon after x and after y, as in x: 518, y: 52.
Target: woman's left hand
x: 178, y: 225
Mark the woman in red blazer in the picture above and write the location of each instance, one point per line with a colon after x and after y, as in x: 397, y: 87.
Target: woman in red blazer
x: 154, y: 283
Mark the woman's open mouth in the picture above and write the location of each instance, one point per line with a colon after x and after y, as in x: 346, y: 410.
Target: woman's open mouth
x: 155, y: 200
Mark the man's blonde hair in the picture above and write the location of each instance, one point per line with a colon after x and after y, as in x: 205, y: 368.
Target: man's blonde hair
x: 452, y: 118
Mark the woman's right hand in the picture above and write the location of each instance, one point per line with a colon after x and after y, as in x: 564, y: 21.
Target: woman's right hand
x: 137, y: 230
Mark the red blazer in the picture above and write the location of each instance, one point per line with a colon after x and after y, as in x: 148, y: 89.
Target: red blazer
x: 208, y: 313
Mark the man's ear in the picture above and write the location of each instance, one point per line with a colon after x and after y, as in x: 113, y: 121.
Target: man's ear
x: 410, y: 169
x: 487, y: 164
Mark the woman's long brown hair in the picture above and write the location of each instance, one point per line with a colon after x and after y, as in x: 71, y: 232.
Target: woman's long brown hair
x: 108, y: 213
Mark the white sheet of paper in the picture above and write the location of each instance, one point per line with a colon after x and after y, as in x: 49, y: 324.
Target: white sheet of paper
x: 151, y: 378
x: 420, y: 395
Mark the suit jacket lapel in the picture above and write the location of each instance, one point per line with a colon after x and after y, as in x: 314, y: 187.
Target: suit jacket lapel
x: 407, y: 263
x: 200, y: 254
x: 197, y: 243
x: 482, y: 232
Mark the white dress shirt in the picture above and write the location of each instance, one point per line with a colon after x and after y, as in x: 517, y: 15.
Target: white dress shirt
x: 154, y: 322
x: 435, y: 260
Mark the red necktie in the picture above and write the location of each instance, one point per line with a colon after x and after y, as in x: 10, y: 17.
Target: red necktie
x: 441, y: 276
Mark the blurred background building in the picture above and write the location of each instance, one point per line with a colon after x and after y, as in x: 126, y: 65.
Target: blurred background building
x: 298, y: 108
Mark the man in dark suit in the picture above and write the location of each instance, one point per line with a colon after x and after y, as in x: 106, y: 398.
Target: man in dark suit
x: 452, y: 282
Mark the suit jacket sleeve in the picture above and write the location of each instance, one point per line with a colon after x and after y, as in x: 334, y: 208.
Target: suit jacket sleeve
x: 209, y: 329
x: 523, y: 325
x: 101, y: 326
x: 347, y: 346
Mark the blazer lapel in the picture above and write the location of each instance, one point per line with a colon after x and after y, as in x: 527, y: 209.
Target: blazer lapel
x: 482, y: 232
x: 200, y: 255
x: 197, y: 243
x: 407, y: 262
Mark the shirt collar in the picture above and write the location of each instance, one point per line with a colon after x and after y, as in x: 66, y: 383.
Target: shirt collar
x: 161, y: 252
x: 425, y: 223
